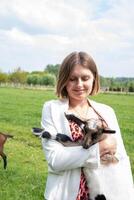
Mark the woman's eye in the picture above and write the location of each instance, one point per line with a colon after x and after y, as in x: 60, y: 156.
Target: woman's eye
x: 85, y: 78
x: 72, y: 79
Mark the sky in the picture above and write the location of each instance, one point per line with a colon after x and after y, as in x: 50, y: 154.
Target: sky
x: 34, y: 33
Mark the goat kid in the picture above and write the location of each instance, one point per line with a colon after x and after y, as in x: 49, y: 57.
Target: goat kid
x: 3, y: 138
x: 92, y: 130
x: 93, y: 133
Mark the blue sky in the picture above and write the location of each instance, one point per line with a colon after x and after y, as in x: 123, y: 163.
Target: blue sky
x: 34, y: 33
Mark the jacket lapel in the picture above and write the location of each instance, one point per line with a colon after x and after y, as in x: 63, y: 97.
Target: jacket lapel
x: 99, y: 108
x: 58, y: 115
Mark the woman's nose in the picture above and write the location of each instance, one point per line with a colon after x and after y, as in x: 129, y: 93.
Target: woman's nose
x: 79, y: 82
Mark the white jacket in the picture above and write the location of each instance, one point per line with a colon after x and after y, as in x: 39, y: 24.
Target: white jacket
x: 64, y: 163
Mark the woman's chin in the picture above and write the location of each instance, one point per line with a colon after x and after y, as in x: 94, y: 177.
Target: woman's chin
x: 79, y: 97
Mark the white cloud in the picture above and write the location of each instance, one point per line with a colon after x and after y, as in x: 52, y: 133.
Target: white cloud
x: 49, y: 29
x: 50, y: 15
x: 19, y: 37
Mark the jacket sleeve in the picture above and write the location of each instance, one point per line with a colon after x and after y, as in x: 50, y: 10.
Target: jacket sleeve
x: 121, y: 152
x: 123, y: 166
x: 62, y: 158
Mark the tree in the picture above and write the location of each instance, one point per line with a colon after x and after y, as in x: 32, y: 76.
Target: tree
x: 131, y: 87
x: 17, y: 78
x: 3, y: 77
x: 52, y: 69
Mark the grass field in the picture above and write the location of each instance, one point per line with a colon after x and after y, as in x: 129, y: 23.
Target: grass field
x: 20, y: 109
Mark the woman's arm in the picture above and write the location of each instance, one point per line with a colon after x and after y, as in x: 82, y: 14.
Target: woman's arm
x: 120, y: 151
x: 62, y: 158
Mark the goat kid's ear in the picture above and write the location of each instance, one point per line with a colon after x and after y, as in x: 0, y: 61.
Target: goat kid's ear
x: 37, y: 131
x: 41, y: 133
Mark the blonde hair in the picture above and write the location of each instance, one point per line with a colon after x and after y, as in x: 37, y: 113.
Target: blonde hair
x: 73, y: 59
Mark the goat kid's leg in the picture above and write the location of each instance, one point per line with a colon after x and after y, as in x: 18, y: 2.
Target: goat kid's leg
x: 4, y: 157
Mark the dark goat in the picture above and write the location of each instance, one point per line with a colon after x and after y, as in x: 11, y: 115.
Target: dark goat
x: 92, y: 130
x: 3, y: 138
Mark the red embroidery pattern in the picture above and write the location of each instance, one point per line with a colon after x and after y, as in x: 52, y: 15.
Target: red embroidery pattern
x: 77, y: 134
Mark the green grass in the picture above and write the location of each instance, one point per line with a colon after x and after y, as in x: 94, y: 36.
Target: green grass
x: 20, y: 109
x: 27, y: 169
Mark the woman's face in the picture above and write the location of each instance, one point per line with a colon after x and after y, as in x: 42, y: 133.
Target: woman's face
x: 80, y: 83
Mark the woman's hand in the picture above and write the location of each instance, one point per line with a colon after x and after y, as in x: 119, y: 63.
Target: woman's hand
x: 108, y: 148
x: 108, y: 145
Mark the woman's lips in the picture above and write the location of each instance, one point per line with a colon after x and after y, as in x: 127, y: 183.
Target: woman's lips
x: 79, y: 91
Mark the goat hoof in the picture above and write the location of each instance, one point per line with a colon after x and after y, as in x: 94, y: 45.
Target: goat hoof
x: 100, y: 197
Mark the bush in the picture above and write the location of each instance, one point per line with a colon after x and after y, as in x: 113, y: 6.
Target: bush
x: 48, y: 79
x: 33, y: 79
x: 131, y: 88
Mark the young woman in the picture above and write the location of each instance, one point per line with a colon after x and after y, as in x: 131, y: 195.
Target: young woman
x: 78, y: 80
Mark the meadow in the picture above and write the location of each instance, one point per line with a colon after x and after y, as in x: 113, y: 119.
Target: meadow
x: 20, y: 110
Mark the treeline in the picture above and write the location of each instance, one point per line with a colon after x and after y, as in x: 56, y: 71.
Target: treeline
x: 49, y: 75
x: 119, y: 84
x: 18, y: 76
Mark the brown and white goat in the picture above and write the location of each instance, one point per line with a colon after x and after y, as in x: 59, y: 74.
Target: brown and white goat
x: 92, y: 132
x: 3, y: 138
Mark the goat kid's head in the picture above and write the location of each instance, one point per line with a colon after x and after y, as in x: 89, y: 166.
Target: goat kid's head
x: 93, y: 132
